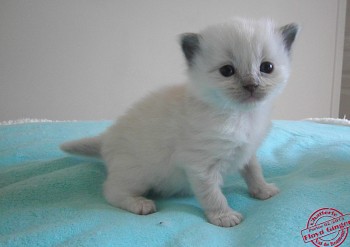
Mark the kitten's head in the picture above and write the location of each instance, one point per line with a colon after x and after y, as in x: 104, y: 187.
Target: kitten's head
x: 239, y: 63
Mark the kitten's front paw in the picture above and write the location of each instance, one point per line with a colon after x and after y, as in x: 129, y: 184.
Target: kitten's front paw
x: 142, y: 206
x: 225, y: 219
x: 264, y: 192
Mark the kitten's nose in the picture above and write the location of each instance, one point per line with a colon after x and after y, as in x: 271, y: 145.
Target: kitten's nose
x: 251, y: 87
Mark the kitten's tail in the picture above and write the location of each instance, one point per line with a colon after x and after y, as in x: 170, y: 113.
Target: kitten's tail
x: 90, y: 146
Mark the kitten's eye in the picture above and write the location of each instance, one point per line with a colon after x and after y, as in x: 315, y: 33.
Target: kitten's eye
x: 227, y: 70
x: 266, y: 67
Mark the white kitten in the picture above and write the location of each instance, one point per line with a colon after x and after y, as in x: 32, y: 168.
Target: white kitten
x: 182, y: 139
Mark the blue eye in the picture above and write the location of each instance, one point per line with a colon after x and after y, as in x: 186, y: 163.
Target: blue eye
x: 266, y: 67
x: 227, y: 70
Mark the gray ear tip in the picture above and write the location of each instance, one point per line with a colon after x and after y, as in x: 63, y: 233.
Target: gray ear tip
x: 182, y: 38
x: 295, y: 27
x: 188, y: 37
x: 289, y: 33
x: 291, y: 28
x: 190, y: 45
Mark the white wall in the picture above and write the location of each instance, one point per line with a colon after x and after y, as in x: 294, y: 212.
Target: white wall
x: 89, y: 60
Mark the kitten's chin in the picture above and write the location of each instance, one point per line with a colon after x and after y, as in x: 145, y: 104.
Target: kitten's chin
x: 251, y: 102
x: 252, y: 99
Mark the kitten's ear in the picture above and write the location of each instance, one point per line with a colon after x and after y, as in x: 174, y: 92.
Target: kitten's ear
x: 190, y: 46
x: 289, y: 32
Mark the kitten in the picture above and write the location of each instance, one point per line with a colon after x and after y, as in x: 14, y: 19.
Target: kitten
x: 183, y: 139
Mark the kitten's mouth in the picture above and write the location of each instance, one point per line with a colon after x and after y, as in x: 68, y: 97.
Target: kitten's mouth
x: 243, y: 97
x: 252, y: 97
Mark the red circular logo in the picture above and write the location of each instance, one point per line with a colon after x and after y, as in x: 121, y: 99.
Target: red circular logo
x: 326, y: 227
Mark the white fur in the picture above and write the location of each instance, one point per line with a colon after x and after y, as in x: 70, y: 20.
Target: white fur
x: 182, y: 139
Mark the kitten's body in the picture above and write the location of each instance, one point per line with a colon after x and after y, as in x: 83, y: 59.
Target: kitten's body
x: 183, y: 139
x: 170, y: 131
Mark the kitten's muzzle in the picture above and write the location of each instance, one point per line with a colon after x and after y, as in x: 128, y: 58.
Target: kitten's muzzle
x: 250, y: 84
x: 251, y: 87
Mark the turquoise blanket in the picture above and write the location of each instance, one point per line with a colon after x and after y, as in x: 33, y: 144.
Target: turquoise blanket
x: 49, y: 198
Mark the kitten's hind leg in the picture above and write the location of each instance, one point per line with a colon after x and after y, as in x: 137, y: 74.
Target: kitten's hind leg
x: 121, y: 195
x: 254, y: 178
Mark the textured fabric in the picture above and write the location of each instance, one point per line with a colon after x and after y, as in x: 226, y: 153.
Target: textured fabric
x: 49, y: 198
